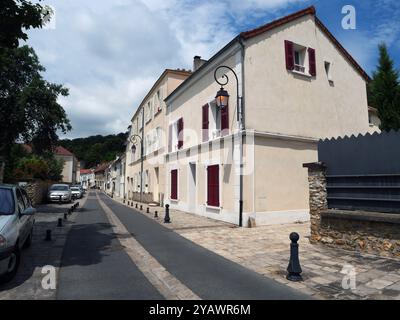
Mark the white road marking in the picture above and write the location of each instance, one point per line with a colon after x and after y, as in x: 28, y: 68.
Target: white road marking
x: 169, y: 286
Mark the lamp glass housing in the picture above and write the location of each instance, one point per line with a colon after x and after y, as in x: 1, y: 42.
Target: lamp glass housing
x: 222, y: 98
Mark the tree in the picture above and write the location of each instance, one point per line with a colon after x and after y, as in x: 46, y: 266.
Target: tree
x: 29, y: 110
x: 384, y: 91
x: 16, y: 17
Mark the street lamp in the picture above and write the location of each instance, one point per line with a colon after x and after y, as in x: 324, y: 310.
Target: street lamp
x: 222, y: 99
x: 132, y: 139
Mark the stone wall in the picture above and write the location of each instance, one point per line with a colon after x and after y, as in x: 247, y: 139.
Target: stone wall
x: 372, y: 232
x: 37, y: 191
x: 146, y: 197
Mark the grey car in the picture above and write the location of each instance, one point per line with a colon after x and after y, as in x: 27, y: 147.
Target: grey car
x: 17, y: 217
x: 76, y: 192
x: 59, y: 192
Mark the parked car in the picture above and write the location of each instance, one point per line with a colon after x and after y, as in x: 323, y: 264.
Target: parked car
x: 76, y: 192
x: 57, y: 190
x: 17, y: 217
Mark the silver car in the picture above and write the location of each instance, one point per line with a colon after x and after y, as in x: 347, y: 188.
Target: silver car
x: 76, y: 192
x: 59, y: 192
x: 16, y: 228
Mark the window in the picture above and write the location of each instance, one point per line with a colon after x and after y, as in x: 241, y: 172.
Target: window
x: 205, y: 122
x: 213, y: 186
x: 6, y: 201
x: 175, y: 135
x: 328, y: 70
x: 20, y: 201
x: 300, y: 59
x: 174, y: 184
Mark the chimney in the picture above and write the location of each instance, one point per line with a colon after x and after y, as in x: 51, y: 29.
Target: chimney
x: 198, y: 62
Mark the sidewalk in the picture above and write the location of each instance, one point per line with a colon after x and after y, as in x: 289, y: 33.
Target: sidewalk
x: 27, y: 284
x: 265, y: 249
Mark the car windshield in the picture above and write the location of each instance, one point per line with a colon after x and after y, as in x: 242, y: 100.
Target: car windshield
x: 6, y: 201
x: 75, y: 189
x: 59, y: 188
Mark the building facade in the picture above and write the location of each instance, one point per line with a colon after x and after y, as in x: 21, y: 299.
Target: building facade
x: 71, y: 168
x: 87, y: 178
x: 144, y: 177
x: 115, y: 175
x: 297, y: 85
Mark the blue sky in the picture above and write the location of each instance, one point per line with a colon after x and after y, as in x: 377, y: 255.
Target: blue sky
x: 109, y: 53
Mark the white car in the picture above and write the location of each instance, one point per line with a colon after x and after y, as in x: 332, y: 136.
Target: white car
x: 76, y: 192
x: 16, y: 228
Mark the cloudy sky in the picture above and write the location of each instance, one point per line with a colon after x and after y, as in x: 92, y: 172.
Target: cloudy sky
x: 109, y: 53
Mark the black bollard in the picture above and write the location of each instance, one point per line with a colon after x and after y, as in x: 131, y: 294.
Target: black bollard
x: 128, y: 203
x: 155, y: 215
x: 136, y: 206
x: 59, y: 223
x: 166, y: 218
x: 147, y: 210
x: 77, y: 204
x: 69, y: 211
x: 72, y: 208
x: 294, y: 268
x: 141, y: 208
x: 65, y: 216
x: 48, y: 235
x: 59, y: 200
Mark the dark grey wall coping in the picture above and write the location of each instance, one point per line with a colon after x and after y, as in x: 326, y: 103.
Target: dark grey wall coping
x: 314, y: 165
x: 361, y: 216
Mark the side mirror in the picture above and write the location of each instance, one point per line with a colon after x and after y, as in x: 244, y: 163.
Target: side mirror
x: 29, y: 211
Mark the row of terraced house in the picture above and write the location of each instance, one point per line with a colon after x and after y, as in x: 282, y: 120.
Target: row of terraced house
x: 242, y: 162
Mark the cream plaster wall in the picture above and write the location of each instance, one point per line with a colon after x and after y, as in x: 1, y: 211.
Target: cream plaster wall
x: 281, y: 101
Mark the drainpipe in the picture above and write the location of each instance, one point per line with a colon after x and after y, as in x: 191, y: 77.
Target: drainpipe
x: 242, y: 133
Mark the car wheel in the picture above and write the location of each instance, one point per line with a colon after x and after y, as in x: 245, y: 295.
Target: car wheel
x: 28, y: 240
x: 13, y: 265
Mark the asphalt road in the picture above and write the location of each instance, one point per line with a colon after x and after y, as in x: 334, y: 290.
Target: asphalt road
x: 95, y: 266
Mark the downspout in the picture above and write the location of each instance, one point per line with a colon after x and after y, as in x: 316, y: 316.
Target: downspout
x: 242, y: 133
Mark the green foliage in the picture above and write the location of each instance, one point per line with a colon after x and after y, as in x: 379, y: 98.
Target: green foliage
x: 384, y: 91
x: 29, y: 110
x: 16, y: 17
x: 37, y: 167
x: 96, y: 149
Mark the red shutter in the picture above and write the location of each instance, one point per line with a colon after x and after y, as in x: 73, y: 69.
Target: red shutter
x: 312, y: 62
x: 180, y: 133
x: 225, y: 121
x: 174, y: 184
x: 213, y: 185
x: 289, y: 55
x: 205, y: 123
x: 170, y: 138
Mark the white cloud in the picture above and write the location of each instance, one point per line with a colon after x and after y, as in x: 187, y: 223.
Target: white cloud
x: 110, y: 53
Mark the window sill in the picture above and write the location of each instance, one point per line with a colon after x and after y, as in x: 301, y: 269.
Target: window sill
x: 174, y: 200
x: 213, y: 207
x: 302, y: 74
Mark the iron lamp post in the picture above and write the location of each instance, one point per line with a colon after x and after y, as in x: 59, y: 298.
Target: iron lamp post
x: 132, y: 139
x: 222, y: 101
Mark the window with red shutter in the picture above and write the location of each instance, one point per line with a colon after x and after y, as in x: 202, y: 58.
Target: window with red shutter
x: 174, y: 184
x: 205, y: 123
x: 289, y: 55
x: 312, y: 62
x: 180, y: 133
x: 213, y: 185
x: 225, y: 121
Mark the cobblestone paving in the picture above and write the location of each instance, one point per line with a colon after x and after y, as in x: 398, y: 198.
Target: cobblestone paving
x: 27, y: 284
x: 265, y: 249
